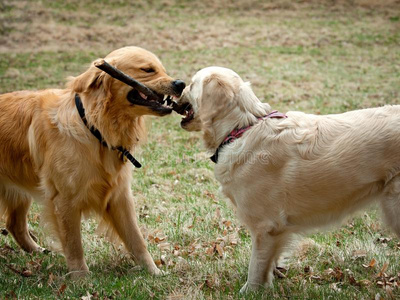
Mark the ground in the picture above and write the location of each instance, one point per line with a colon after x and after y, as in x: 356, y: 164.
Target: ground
x: 315, y: 56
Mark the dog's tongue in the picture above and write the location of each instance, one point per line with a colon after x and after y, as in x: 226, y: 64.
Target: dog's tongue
x: 142, y: 95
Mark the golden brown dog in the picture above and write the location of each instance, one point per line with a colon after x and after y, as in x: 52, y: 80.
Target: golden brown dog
x: 286, y: 176
x: 49, y: 154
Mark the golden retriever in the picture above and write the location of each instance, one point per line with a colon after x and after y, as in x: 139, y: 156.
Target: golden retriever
x: 286, y: 176
x: 48, y: 153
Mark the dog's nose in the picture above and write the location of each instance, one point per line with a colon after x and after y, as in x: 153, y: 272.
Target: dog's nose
x: 178, y: 86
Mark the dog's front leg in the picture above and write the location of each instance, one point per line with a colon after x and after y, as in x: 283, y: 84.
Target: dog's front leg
x: 68, y: 224
x: 121, y: 216
x: 266, y: 248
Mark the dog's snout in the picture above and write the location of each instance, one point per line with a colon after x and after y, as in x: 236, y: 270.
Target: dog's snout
x: 178, y: 86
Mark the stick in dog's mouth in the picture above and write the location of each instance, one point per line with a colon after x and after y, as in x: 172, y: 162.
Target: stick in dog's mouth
x: 184, y: 109
x: 141, y: 94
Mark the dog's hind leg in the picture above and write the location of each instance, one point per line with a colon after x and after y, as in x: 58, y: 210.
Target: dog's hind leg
x: 391, y: 204
x: 267, y: 246
x: 16, y: 205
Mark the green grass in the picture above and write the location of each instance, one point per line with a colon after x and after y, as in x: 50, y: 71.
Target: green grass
x: 308, y: 56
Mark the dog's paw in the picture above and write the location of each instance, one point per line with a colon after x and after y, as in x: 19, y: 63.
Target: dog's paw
x: 252, y: 287
x: 78, y: 274
x: 42, y: 250
x: 245, y: 289
x: 164, y: 273
x: 156, y: 272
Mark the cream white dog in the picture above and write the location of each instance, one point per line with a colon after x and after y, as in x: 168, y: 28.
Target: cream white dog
x: 289, y: 174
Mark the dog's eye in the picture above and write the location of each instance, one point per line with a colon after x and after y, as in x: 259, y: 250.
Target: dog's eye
x: 147, y: 70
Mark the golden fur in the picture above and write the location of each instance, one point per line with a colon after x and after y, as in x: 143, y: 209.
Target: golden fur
x: 46, y: 152
x: 288, y: 176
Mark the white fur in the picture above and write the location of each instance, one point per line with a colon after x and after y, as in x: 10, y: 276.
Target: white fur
x: 289, y: 176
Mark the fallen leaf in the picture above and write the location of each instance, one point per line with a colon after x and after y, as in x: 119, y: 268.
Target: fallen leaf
x: 211, y: 195
x: 353, y: 281
x: 7, y: 249
x: 383, y: 270
x: 51, y: 279
x: 383, y: 240
x: 371, y: 263
x: 279, y: 272
x: 61, y: 289
x: 164, y: 246
x: 87, y: 297
x: 359, y: 253
x: 389, y: 292
x: 26, y: 273
x: 158, y: 262
x: 308, y: 269
x: 283, y: 294
x: 209, y: 283
x: 217, y: 213
x: 159, y: 239
x: 210, y: 251
x: 329, y: 271
x: 338, y: 274
x: 12, y: 295
x: 335, y: 287
x: 227, y: 223
x: 315, y: 277
x: 380, y: 283
x: 365, y: 282
x: 219, y: 250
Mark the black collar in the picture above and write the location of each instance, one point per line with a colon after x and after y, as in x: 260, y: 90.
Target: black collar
x: 97, y: 134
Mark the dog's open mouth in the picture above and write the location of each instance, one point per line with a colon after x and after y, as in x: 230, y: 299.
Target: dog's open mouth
x: 140, y: 94
x: 188, y: 113
x: 163, y: 104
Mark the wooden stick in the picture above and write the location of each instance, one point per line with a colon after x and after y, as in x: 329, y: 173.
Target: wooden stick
x: 121, y: 76
x: 180, y: 109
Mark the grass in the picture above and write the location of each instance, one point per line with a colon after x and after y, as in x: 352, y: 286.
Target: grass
x: 299, y: 55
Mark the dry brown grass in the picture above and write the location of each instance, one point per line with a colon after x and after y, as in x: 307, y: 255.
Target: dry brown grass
x: 46, y: 26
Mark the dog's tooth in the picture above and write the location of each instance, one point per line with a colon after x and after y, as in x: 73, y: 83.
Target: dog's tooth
x: 142, y: 95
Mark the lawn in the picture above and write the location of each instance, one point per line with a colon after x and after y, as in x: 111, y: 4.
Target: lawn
x: 315, y: 56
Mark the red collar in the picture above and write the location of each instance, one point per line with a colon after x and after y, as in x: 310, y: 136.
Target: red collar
x: 238, y: 132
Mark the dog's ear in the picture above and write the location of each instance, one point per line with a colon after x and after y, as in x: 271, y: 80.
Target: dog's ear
x: 215, y: 101
x: 93, y: 81
x: 250, y: 106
